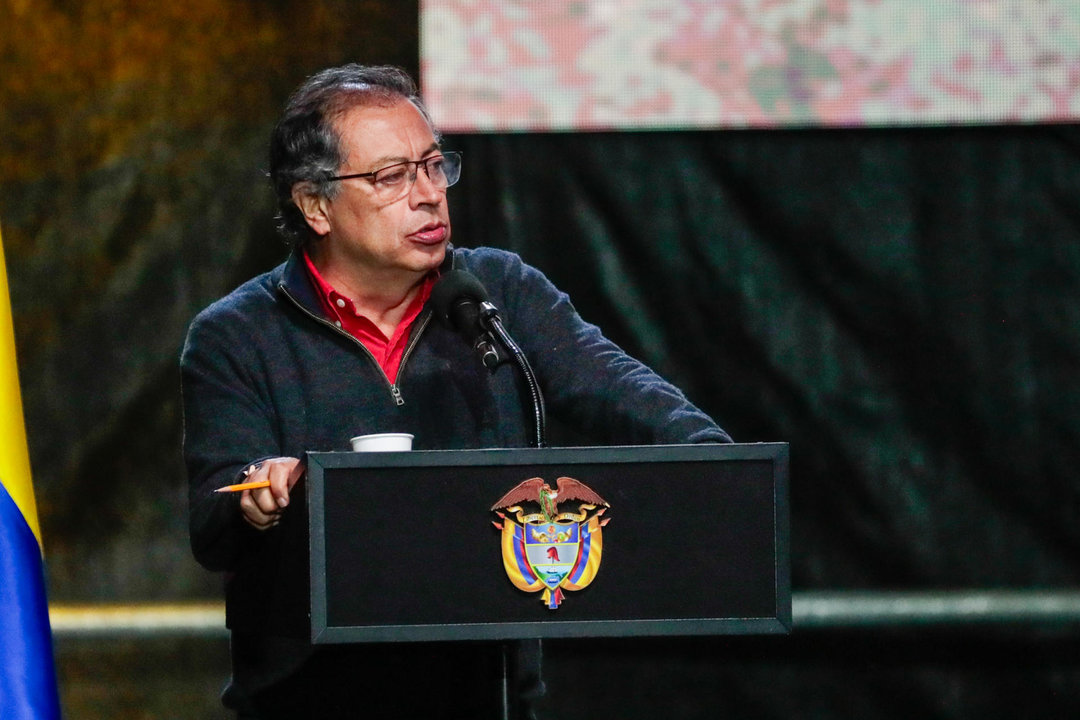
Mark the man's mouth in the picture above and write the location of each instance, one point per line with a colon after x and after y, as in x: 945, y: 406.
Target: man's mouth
x: 430, y: 234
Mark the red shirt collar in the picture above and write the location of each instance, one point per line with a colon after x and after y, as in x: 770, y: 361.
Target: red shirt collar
x: 341, y: 311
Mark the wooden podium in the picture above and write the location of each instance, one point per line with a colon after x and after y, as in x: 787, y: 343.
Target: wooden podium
x: 403, y: 545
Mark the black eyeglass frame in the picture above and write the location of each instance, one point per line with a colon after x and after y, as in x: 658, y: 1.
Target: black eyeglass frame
x: 454, y: 154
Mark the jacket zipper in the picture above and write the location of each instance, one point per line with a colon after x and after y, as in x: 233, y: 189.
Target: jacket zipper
x: 413, y: 342
x: 395, y: 391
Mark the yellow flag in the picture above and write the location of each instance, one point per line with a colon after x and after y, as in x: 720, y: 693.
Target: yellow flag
x: 14, y: 453
x: 28, y: 689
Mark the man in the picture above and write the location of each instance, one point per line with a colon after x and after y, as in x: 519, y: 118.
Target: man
x: 339, y: 341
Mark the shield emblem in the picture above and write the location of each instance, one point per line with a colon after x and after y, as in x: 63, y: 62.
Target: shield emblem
x: 548, y: 545
x: 552, y: 550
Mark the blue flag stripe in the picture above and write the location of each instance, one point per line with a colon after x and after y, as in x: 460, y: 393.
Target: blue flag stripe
x: 27, y: 674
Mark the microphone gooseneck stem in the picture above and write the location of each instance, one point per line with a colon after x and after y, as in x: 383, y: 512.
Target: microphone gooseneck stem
x: 489, y: 319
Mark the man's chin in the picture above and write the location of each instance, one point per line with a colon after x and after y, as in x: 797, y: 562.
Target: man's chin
x: 419, y: 257
x: 430, y: 256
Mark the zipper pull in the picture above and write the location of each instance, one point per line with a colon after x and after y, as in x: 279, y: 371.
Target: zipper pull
x: 396, y: 392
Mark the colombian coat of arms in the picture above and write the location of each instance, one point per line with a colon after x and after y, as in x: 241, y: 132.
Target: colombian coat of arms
x: 552, y: 539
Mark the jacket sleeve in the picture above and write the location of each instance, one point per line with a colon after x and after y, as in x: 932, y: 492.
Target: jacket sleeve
x: 587, y: 379
x: 228, y: 425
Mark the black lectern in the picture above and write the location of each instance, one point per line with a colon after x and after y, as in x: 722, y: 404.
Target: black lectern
x: 404, y: 546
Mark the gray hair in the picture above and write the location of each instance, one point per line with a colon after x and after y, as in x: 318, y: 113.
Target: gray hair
x: 305, y: 145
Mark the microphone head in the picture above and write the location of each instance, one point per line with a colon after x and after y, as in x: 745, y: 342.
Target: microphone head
x: 456, y: 300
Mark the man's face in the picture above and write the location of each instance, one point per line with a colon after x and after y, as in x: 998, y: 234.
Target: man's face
x: 373, y: 235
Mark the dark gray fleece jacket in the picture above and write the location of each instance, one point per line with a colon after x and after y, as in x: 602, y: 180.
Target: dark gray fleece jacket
x: 265, y: 374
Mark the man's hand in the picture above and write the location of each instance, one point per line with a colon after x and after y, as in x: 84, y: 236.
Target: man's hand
x: 262, y: 507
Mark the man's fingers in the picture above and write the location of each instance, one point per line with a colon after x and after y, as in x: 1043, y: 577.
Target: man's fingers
x: 265, y: 500
x: 262, y: 526
x: 259, y: 508
x: 278, y: 474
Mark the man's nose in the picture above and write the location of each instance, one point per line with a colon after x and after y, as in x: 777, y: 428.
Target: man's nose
x: 423, y: 190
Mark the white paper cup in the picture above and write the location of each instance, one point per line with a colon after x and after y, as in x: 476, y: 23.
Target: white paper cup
x: 382, y: 442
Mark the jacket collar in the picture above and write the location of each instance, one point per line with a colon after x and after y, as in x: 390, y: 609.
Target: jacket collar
x: 294, y: 280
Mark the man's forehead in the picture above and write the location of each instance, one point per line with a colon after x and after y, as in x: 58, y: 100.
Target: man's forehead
x: 385, y: 131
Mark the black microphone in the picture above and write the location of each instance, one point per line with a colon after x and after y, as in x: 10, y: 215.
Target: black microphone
x: 461, y: 302
x: 458, y: 298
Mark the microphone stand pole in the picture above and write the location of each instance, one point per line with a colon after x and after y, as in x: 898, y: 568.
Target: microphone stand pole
x: 522, y: 662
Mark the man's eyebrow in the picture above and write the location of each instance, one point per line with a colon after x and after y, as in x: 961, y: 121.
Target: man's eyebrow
x: 395, y: 159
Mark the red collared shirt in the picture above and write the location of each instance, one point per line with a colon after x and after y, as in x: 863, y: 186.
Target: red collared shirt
x: 387, y: 351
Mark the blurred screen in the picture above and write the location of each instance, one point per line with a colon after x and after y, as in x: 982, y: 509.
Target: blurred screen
x: 534, y: 65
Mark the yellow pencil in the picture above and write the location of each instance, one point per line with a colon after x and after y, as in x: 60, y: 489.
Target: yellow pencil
x: 245, y: 486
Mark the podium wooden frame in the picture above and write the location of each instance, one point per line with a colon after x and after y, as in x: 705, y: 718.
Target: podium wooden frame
x: 403, y: 548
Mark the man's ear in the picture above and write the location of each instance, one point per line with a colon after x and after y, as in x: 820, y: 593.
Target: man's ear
x: 312, y: 206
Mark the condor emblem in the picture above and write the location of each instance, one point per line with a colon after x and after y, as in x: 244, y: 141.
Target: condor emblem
x: 551, y: 539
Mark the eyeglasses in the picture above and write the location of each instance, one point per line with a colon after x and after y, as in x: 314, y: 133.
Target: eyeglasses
x: 394, y: 181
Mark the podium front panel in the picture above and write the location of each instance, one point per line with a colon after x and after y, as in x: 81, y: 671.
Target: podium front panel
x: 403, y: 546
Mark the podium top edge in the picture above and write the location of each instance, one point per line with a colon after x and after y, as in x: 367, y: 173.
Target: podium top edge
x: 700, y: 452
